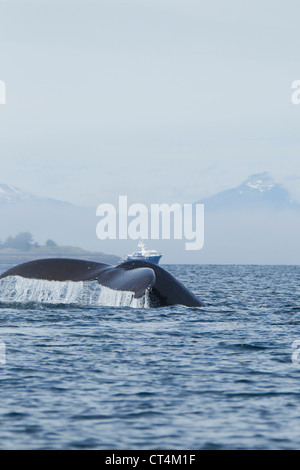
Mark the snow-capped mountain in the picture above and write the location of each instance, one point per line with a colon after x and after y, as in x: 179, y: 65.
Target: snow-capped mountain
x: 12, y: 195
x: 257, y: 191
x: 47, y: 218
x: 21, y: 211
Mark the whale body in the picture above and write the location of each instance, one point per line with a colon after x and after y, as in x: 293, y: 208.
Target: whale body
x: 136, y: 276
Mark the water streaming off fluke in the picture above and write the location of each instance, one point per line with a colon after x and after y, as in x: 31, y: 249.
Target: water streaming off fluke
x: 19, y: 289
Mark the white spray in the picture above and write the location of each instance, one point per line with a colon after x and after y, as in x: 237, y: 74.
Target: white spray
x: 19, y: 289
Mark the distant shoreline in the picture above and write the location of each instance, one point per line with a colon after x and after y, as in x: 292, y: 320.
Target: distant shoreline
x: 12, y: 256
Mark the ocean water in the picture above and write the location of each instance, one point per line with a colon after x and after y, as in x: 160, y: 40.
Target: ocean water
x: 83, y: 369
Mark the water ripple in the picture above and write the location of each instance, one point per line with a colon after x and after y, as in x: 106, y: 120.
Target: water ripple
x: 80, y: 375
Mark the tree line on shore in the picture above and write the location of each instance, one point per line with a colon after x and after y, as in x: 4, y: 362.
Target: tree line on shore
x: 24, y: 241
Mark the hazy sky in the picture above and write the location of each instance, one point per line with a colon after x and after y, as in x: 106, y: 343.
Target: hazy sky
x: 159, y: 100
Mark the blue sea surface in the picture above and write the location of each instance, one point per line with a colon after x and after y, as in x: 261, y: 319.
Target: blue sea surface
x: 78, y: 375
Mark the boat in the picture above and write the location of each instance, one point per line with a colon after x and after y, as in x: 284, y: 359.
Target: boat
x: 143, y: 254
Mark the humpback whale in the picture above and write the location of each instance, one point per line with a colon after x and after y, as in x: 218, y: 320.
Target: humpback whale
x: 136, y: 276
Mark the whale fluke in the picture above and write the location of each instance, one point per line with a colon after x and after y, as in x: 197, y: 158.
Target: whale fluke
x: 167, y: 290
x: 57, y: 269
x: 138, y: 277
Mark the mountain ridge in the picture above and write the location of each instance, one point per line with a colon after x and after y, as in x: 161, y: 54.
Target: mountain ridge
x: 10, y: 194
x: 257, y: 191
x: 258, y: 188
x: 255, y: 222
